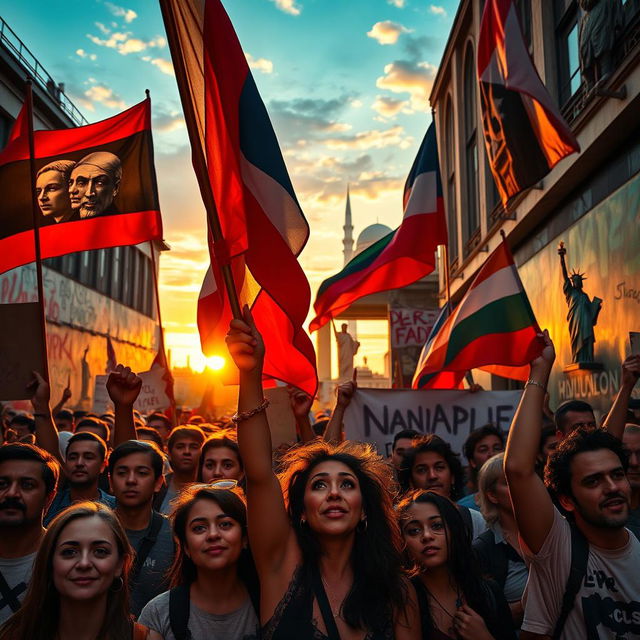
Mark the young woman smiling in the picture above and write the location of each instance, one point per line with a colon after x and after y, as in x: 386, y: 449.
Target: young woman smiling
x: 78, y: 588
x: 213, y: 577
x: 220, y: 459
x: 455, y: 603
x: 328, y: 550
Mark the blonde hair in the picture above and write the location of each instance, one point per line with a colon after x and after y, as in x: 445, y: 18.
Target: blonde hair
x: 490, y: 472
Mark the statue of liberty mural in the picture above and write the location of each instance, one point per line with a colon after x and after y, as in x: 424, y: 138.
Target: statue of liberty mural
x: 582, y: 315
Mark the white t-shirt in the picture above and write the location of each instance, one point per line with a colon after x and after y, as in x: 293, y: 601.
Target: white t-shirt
x: 608, y: 603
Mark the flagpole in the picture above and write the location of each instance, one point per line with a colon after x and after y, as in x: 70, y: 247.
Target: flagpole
x: 164, y: 353
x: 199, y: 161
x: 447, y: 283
x: 36, y: 232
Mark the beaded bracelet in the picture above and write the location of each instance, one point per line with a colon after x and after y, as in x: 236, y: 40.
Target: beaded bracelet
x: 245, y: 415
x: 535, y: 383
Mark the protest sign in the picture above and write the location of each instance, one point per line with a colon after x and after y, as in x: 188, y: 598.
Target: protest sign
x: 410, y: 327
x: 152, y: 396
x: 101, y: 400
x: 376, y: 415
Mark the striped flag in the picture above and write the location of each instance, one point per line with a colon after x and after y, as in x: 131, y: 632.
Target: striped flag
x: 402, y: 256
x: 237, y: 159
x: 525, y: 134
x: 493, y: 327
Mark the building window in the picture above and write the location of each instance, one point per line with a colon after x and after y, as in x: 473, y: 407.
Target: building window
x: 471, y: 220
x: 452, y: 219
x: 567, y: 49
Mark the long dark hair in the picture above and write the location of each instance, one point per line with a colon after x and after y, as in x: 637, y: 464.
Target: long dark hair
x: 183, y: 570
x: 218, y: 441
x: 462, y: 565
x: 437, y: 445
x: 378, y: 589
x: 39, y: 615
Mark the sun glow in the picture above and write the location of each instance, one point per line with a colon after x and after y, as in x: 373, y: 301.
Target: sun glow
x: 215, y: 363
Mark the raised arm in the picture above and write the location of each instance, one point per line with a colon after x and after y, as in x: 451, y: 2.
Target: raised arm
x: 562, y: 252
x: 270, y: 533
x: 124, y: 388
x: 46, y: 432
x: 616, y: 418
x: 345, y: 391
x: 66, y: 396
x: 532, y: 505
x: 301, y: 405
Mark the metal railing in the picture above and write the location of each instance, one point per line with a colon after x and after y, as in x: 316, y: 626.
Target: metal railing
x: 14, y: 45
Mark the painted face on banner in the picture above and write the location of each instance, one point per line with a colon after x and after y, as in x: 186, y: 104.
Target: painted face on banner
x: 94, y: 183
x: 52, y: 194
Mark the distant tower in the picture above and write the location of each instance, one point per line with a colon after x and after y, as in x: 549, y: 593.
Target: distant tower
x: 347, y: 240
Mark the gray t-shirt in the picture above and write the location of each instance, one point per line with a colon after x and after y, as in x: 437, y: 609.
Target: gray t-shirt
x: 165, y: 507
x: 241, y: 624
x: 608, y: 603
x: 17, y: 573
x: 151, y: 580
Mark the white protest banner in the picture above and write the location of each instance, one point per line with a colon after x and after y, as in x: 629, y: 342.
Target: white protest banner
x: 101, y: 400
x: 153, y: 396
x: 410, y: 327
x: 376, y: 415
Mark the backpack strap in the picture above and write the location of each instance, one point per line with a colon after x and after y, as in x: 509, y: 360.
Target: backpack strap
x: 577, y: 572
x: 158, y: 499
x: 493, y: 558
x: 147, y: 544
x: 179, y: 607
x: 323, y: 604
x: 465, y: 512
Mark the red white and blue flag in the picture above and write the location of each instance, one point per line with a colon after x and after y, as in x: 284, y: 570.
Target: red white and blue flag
x: 402, y: 256
x: 262, y: 223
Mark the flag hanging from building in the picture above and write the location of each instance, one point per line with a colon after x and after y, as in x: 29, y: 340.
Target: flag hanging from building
x: 95, y: 188
x: 493, y: 326
x: 525, y: 134
x: 263, y: 226
x: 402, y: 256
x: 440, y: 379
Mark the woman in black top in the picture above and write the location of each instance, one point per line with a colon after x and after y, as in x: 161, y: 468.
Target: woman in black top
x: 455, y: 603
x: 328, y: 550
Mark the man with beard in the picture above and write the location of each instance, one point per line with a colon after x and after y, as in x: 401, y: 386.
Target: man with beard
x: 135, y: 474
x: 28, y: 479
x: 84, y: 461
x: 584, y: 578
x: 184, y: 446
x: 94, y: 183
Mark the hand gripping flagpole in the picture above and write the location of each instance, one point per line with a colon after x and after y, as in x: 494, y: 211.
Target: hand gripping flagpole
x: 36, y: 233
x: 199, y: 161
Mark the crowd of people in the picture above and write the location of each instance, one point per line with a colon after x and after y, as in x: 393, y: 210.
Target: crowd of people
x: 123, y: 527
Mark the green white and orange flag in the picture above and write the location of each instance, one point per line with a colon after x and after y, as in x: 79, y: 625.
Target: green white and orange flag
x: 493, y: 328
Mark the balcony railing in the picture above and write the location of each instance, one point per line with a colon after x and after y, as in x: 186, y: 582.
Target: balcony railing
x: 14, y: 45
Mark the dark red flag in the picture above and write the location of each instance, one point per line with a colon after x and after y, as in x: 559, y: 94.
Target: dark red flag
x: 525, y: 134
x: 95, y: 185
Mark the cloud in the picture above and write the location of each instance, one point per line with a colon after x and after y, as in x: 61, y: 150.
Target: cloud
x: 415, y: 78
x: 103, y: 95
x: 123, y: 42
x: 83, y: 54
x: 373, y: 139
x: 416, y: 46
x: 128, y: 15
x: 436, y: 10
x: 397, y: 3
x: 387, y: 32
x: 288, y: 6
x: 261, y: 64
x: 166, y: 120
x: 389, y: 107
x: 166, y: 66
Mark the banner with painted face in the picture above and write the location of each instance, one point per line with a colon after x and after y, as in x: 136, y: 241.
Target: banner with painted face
x: 376, y: 415
x: 95, y: 188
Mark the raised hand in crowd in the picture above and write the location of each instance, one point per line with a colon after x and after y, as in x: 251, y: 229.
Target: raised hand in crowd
x: 66, y: 396
x: 301, y: 405
x: 123, y: 386
x: 46, y: 431
x: 616, y: 418
x: 344, y: 393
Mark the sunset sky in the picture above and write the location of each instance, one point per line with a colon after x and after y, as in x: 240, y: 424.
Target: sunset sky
x: 346, y: 84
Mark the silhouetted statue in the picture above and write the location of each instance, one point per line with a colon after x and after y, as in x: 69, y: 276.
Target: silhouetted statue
x: 582, y: 315
x: 347, y: 349
x: 601, y: 24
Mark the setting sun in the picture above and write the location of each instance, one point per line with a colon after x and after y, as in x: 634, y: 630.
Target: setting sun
x: 215, y: 362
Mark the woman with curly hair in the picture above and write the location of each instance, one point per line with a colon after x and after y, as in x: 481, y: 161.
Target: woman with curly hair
x: 213, y: 578
x: 78, y: 588
x: 326, y: 544
x: 430, y: 464
x: 455, y: 603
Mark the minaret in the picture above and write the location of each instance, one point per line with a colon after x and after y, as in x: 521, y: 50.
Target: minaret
x: 347, y: 241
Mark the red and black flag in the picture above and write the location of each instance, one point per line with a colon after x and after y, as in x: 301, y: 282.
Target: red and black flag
x: 95, y: 187
x: 525, y: 134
